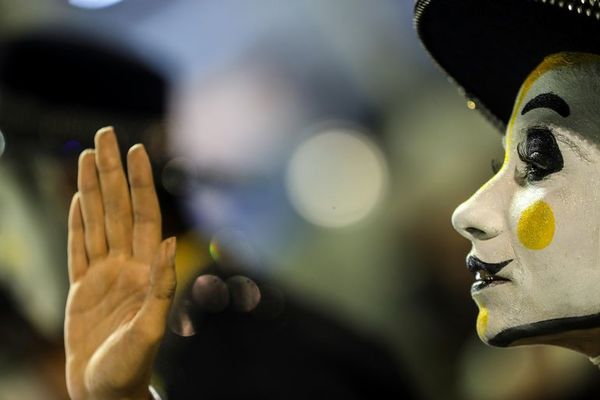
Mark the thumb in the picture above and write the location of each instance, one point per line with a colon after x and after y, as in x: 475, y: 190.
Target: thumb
x: 152, y: 318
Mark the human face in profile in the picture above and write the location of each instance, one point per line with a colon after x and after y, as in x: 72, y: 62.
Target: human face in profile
x: 535, y: 226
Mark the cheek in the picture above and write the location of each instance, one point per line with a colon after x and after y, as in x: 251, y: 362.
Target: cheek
x: 536, y: 226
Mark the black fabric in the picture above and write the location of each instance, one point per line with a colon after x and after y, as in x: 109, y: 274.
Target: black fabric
x: 299, y: 355
x: 488, y: 47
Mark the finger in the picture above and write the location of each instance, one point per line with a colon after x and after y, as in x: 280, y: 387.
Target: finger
x: 92, y: 210
x: 210, y: 294
x: 150, y: 321
x: 77, y: 259
x: 115, y: 193
x: 245, y: 294
x: 146, y: 212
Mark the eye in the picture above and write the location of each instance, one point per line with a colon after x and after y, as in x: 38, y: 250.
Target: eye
x: 540, y: 153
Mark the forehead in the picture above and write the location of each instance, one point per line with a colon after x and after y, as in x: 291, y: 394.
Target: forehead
x: 565, y: 64
x: 576, y: 79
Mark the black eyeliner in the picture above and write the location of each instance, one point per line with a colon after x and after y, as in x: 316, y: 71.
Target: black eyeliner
x: 540, y: 153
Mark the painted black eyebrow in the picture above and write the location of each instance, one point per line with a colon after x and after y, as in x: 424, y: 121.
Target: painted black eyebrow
x: 548, y: 100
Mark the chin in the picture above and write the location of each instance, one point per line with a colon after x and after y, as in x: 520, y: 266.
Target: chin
x: 483, y: 326
x: 495, y: 331
x: 566, y: 332
x: 505, y: 338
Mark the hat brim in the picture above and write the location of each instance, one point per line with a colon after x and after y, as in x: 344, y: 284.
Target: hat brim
x: 489, y: 47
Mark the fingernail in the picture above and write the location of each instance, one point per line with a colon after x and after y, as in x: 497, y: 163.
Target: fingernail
x: 102, y: 134
x: 86, y: 153
x: 105, y: 129
x: 136, y: 147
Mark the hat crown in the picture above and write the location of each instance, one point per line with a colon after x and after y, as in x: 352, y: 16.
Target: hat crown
x: 489, y: 47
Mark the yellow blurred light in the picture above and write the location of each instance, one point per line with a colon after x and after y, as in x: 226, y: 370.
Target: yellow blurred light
x: 213, y: 249
x: 471, y: 105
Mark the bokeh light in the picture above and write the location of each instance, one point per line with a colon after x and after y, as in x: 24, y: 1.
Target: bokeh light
x: 180, y: 321
x: 93, y: 4
x: 174, y: 175
x: 336, y: 178
x: 213, y: 249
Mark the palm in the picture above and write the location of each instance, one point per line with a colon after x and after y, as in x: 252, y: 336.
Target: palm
x: 99, y: 315
x: 121, y: 276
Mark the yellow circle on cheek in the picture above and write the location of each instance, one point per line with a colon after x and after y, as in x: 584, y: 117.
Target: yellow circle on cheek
x: 536, y: 226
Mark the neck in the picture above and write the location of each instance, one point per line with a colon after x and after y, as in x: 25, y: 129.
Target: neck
x: 585, y: 341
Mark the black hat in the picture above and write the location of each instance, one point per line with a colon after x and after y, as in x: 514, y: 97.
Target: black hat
x: 58, y: 85
x: 489, y: 47
x: 75, y: 69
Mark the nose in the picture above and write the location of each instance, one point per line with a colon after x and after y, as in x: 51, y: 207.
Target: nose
x: 480, y: 217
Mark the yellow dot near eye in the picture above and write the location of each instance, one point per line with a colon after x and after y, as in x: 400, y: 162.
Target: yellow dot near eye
x: 482, y: 321
x: 536, y: 226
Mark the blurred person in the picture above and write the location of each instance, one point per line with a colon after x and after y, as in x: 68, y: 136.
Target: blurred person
x: 60, y: 109
x: 42, y: 119
x: 232, y: 134
x: 327, y: 355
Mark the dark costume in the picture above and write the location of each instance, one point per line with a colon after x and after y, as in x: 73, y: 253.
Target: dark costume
x: 299, y: 354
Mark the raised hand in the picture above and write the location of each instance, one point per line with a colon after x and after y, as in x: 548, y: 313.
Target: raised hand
x: 122, y: 275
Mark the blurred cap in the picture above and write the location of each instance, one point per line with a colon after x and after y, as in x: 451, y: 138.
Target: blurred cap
x: 66, y: 76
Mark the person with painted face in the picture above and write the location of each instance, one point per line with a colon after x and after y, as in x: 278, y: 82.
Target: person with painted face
x: 531, y: 67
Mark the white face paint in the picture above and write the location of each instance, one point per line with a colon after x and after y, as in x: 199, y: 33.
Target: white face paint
x: 541, y: 212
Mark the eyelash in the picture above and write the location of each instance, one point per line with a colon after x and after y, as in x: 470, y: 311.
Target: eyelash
x: 540, y: 163
x: 532, y: 172
x: 544, y: 160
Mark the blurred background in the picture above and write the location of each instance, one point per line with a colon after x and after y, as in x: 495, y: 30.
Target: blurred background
x: 311, y: 145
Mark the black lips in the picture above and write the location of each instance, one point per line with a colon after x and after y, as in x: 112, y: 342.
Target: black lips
x: 474, y: 265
